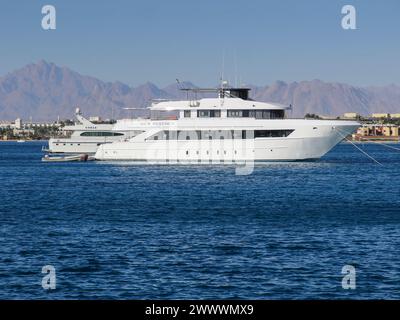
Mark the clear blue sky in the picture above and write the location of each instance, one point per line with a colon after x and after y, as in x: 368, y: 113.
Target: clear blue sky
x: 158, y: 41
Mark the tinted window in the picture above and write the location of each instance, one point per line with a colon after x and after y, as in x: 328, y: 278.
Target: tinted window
x: 258, y: 114
x: 101, y: 134
x: 208, y: 113
x: 271, y: 133
x: 218, y: 134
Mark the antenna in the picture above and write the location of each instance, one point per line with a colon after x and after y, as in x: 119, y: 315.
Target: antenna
x: 291, y: 110
x: 223, y: 68
x: 236, y: 70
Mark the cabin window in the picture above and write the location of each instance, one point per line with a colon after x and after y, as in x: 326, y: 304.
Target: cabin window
x: 219, y: 134
x: 277, y: 114
x: 100, y: 134
x: 162, y: 135
x: 258, y: 114
x: 234, y: 114
x: 241, y: 113
x: 245, y: 113
x: 208, y: 113
x: 185, y: 135
x: 237, y: 134
x: 186, y: 113
x: 266, y: 115
x: 203, y: 114
x: 272, y: 133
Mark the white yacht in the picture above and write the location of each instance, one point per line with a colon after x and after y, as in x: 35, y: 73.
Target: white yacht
x: 86, y: 136
x: 228, y: 128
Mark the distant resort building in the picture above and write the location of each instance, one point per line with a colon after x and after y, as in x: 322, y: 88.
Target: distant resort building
x: 378, y: 126
x: 95, y: 119
x: 21, y: 129
x: 380, y: 116
x: 374, y: 116
x: 385, y: 116
x: 375, y: 131
x: 351, y: 115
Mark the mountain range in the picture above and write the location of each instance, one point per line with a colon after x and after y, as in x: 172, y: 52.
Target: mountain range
x: 45, y: 91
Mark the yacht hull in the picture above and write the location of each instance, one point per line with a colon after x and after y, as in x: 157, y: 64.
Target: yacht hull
x: 312, y: 140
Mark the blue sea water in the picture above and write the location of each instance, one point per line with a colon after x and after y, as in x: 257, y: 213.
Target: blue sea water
x: 124, y: 231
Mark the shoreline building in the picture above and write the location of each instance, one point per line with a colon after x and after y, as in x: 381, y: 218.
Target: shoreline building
x: 373, y: 131
x: 21, y: 129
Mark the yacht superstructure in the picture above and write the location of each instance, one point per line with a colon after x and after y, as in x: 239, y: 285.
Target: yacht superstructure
x: 228, y: 128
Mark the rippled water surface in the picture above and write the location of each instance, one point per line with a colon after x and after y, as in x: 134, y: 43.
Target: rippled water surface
x: 124, y: 231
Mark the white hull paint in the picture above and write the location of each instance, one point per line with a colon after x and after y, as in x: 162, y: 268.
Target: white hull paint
x: 311, y: 139
x: 70, y: 146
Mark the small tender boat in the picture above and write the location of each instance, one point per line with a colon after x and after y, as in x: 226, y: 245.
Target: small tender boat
x: 80, y: 157
x: 21, y: 141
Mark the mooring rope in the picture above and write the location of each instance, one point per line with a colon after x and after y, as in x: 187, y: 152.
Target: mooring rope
x: 358, y: 148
